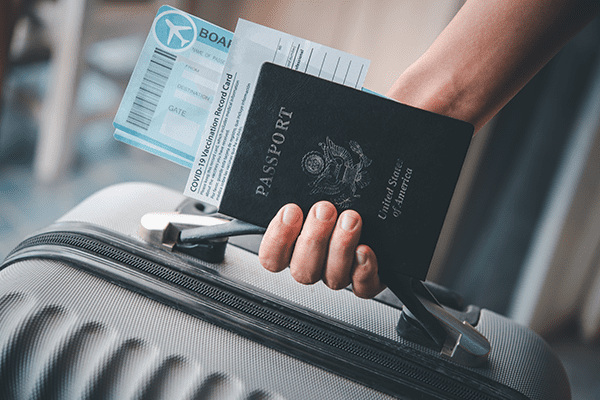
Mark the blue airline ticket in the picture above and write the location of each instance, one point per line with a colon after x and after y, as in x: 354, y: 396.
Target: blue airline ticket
x: 169, y: 96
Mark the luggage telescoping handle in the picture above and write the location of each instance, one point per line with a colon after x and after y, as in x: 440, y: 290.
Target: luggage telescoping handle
x: 205, y: 237
x: 234, y: 227
x: 202, y: 236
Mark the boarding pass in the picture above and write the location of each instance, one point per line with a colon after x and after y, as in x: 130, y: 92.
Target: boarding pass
x: 168, y: 98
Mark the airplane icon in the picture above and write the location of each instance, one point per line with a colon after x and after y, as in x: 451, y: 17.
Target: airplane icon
x: 175, y: 30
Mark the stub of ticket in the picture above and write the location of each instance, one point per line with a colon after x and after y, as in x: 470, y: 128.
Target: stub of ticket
x: 169, y: 96
x: 253, y: 45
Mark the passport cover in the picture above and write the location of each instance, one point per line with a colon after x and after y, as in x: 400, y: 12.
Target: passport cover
x: 307, y: 139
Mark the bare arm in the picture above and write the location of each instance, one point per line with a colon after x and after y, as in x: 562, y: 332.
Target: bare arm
x: 489, y: 51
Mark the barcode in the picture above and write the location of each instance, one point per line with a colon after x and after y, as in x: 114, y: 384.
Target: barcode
x: 151, y: 89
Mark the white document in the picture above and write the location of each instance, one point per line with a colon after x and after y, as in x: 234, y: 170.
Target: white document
x: 253, y: 45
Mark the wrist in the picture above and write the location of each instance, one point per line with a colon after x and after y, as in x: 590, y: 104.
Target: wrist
x: 437, y: 90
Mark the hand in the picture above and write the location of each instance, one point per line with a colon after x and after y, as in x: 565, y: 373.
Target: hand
x: 324, y: 248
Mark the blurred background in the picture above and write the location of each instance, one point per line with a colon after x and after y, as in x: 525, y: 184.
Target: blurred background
x: 523, y: 233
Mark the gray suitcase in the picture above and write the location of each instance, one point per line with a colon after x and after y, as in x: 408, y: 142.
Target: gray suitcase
x: 90, y: 309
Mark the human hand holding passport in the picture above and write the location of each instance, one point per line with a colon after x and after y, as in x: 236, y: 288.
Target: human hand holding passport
x: 328, y: 249
x: 387, y: 170
x: 307, y: 141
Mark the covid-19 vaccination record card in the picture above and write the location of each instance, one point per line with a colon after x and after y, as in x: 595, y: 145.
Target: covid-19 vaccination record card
x: 253, y: 45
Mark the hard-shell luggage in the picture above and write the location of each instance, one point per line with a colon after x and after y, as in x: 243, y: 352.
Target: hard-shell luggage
x: 94, y: 307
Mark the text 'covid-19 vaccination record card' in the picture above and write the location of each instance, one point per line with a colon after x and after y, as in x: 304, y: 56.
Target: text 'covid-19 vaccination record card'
x: 177, y: 78
x: 252, y: 46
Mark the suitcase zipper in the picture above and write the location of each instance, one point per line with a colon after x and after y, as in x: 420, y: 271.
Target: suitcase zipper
x: 380, y: 363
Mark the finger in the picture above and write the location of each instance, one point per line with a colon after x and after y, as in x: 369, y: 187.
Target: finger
x: 365, y: 278
x: 342, y: 246
x: 278, y: 241
x: 310, y: 252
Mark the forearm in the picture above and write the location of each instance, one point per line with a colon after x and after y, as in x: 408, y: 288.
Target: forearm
x: 489, y: 51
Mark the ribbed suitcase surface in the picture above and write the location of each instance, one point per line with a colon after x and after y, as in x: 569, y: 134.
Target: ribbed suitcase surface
x: 65, y: 332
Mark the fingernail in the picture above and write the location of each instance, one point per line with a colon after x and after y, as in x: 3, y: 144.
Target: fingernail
x: 348, y: 222
x: 361, y: 258
x: 289, y: 216
x: 323, y: 212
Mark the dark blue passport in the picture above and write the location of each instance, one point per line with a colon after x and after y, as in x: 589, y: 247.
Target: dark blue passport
x: 307, y: 139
